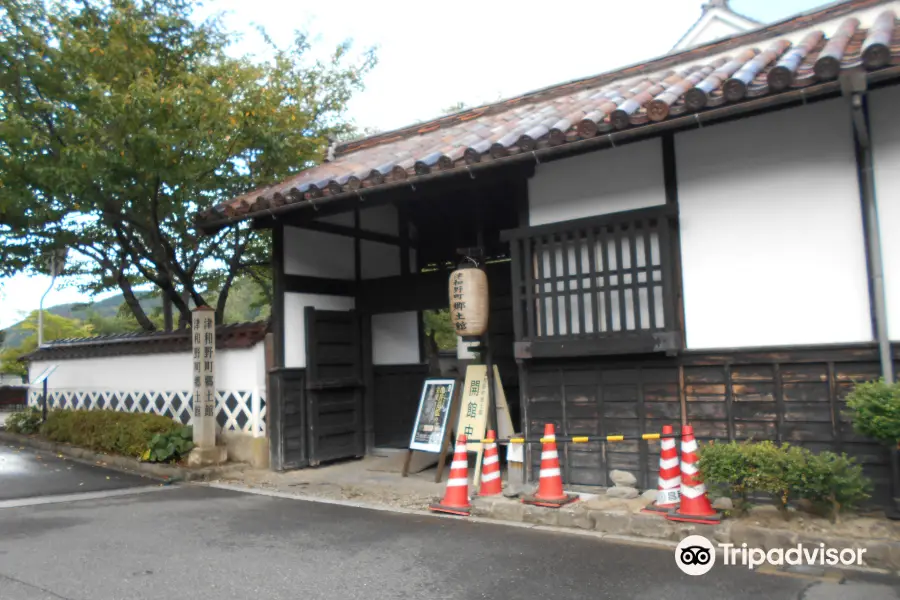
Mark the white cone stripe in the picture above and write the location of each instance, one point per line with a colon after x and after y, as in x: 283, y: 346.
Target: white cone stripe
x: 550, y: 438
x: 689, y: 468
x: 668, y: 463
x: 461, y: 481
x: 690, y: 446
x: 459, y: 464
x: 491, y: 460
x: 669, y: 483
x: 667, y: 496
x: 460, y: 448
x: 693, y: 491
x: 667, y: 444
x: 549, y: 454
x: 490, y: 476
x: 549, y: 473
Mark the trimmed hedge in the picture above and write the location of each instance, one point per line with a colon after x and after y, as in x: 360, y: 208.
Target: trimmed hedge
x: 128, y: 434
x: 832, y: 482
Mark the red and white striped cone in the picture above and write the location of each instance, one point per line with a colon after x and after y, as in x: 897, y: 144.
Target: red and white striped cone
x: 695, y: 506
x: 669, y: 483
x: 550, y: 488
x: 491, y: 484
x: 456, y: 498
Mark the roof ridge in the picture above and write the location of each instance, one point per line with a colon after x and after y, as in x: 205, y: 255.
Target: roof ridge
x: 787, y: 25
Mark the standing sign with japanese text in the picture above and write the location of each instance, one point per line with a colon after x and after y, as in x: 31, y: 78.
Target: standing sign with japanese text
x: 434, y: 410
x: 473, y: 408
x: 203, y: 332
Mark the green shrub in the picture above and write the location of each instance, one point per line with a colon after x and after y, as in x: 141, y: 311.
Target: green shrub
x: 833, y: 482
x: 875, y: 411
x: 727, y: 468
x: 27, y: 421
x: 169, y: 447
x: 109, y: 431
x: 784, y: 472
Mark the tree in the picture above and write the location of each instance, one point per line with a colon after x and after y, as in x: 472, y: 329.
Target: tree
x: 55, y: 328
x: 121, y: 119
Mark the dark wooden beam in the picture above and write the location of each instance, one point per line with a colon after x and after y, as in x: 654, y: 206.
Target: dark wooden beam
x: 319, y: 285
x: 278, y: 289
x: 351, y: 232
x: 670, y: 184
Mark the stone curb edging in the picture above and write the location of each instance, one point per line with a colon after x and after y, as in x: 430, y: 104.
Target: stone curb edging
x: 171, y: 473
x: 880, y: 553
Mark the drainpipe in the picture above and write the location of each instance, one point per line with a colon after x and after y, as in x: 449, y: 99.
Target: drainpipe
x: 854, y: 87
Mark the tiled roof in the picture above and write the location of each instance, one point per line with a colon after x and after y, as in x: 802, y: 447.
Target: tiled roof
x: 793, y: 54
x: 232, y: 336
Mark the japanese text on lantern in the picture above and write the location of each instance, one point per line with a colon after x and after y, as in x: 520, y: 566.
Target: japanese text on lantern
x: 204, y: 354
x: 458, y: 304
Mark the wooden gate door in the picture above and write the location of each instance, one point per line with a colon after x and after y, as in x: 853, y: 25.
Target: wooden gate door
x: 334, y: 385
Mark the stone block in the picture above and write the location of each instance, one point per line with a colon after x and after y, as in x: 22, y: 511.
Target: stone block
x: 243, y: 447
x: 653, y: 526
x: 722, y: 532
x: 622, y: 478
x: 540, y: 515
x: 760, y: 537
x: 723, y: 503
x: 610, y: 521
x: 649, y: 495
x: 626, y: 493
x: 576, y: 516
x: 206, y: 456
x: 482, y: 507
x: 508, y: 510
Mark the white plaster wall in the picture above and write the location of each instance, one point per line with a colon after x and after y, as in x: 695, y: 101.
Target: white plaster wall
x: 380, y: 219
x: 295, y: 322
x: 318, y: 254
x: 236, y: 369
x: 885, y: 126
x: 395, y: 338
x: 597, y: 183
x: 379, y: 260
x: 771, y: 231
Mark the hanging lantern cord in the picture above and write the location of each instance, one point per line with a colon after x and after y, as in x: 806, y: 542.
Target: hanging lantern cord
x: 472, y: 260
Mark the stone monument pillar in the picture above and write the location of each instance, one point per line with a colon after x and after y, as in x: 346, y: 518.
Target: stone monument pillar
x: 203, y: 336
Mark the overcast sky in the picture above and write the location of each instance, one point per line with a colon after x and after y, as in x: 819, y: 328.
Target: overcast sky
x: 433, y: 55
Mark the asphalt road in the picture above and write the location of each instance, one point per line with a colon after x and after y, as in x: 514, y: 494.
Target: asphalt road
x: 25, y: 473
x: 204, y: 543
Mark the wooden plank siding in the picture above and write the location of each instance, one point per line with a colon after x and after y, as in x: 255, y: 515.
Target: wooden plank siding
x: 788, y: 395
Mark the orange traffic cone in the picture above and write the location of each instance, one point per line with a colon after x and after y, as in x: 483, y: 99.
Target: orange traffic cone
x: 550, y: 489
x: 669, y: 486
x: 456, y: 498
x: 695, y: 506
x: 491, y: 484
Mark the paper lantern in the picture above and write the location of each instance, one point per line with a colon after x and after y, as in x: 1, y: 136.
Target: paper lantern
x: 469, y: 302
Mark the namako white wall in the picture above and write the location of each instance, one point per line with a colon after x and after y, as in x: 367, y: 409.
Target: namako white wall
x: 771, y: 231
x: 236, y: 369
x: 885, y: 126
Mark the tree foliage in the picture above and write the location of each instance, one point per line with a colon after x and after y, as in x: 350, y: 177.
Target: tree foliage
x: 875, y: 410
x: 55, y: 328
x: 121, y: 119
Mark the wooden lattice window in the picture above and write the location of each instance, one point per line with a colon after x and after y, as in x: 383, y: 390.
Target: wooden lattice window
x: 603, y: 279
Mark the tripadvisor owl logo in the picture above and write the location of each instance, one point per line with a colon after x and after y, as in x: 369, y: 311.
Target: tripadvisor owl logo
x: 695, y: 555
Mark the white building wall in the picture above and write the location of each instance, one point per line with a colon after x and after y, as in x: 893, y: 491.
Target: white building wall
x: 318, y: 254
x: 295, y: 322
x: 597, y: 183
x: 885, y: 126
x: 771, y: 231
x: 395, y: 339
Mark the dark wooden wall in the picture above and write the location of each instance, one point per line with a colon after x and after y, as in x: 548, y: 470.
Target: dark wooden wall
x: 286, y: 419
x: 396, y: 389
x: 794, y: 396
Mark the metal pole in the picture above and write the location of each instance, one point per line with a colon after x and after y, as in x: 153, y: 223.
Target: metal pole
x: 41, y: 312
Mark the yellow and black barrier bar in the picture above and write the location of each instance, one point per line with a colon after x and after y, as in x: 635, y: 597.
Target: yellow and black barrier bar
x: 582, y: 439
